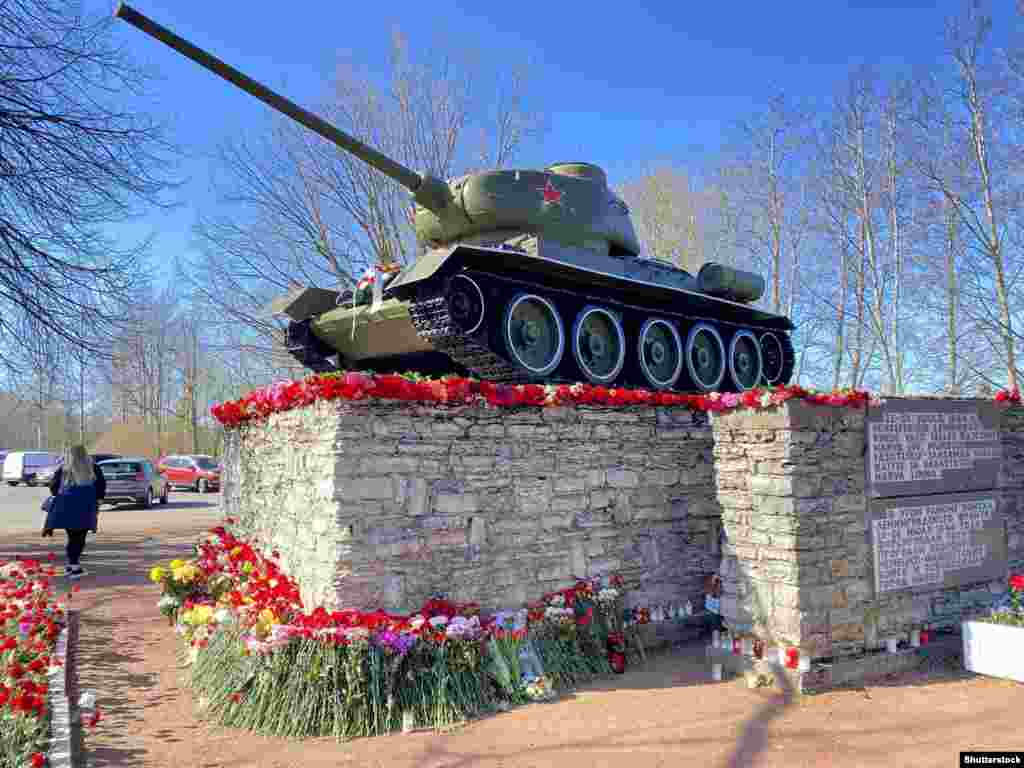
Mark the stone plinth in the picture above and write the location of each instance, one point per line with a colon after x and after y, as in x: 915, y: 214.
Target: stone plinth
x: 797, y: 556
x: 380, y: 504
x: 791, y: 485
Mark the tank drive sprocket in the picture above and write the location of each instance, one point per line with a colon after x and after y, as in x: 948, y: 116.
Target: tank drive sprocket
x: 431, y: 314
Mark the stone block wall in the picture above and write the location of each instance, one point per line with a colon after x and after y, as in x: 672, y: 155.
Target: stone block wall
x: 379, y: 504
x: 1011, y: 484
x: 797, y: 562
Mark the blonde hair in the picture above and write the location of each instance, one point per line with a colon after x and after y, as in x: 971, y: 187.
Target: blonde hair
x: 78, y: 467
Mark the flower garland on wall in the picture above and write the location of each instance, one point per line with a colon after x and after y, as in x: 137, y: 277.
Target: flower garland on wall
x: 262, y: 662
x: 352, y: 386
x: 30, y: 621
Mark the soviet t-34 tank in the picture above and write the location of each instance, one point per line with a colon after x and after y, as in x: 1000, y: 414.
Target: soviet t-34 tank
x: 527, y: 275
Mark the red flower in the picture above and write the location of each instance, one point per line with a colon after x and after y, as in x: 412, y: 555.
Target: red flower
x: 1017, y: 582
x: 38, y: 760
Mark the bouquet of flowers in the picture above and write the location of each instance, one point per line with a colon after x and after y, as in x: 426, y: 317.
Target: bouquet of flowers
x: 1010, y: 610
x: 30, y: 622
x: 540, y: 689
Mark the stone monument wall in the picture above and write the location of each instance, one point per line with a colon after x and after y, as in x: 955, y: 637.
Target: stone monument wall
x: 800, y: 550
x: 380, y: 504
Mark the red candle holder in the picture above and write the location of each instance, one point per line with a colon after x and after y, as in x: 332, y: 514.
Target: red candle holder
x: 792, y: 658
x: 617, y: 661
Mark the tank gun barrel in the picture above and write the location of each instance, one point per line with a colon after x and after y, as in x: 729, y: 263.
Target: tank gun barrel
x: 424, y: 187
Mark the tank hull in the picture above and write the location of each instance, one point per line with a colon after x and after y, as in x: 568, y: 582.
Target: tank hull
x: 409, y: 327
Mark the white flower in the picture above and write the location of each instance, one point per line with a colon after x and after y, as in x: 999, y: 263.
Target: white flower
x: 766, y: 400
x: 223, y: 616
x: 417, y: 621
x: 438, y: 621
x: 460, y: 626
x: 714, y: 395
x: 167, y: 601
x: 557, y: 600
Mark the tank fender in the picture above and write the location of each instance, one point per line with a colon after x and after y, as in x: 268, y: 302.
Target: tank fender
x: 730, y: 283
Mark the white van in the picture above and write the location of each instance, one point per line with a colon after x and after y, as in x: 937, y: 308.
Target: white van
x: 22, y: 466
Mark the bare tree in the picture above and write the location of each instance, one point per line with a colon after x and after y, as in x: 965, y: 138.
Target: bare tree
x: 981, y: 198
x: 669, y: 212
x: 297, y: 210
x: 144, y: 363
x: 763, y: 185
x: 75, y: 154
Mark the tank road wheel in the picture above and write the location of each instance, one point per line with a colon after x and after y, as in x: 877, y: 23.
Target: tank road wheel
x: 660, y: 353
x: 466, y: 303
x: 598, y: 344
x: 777, y: 357
x: 705, y: 357
x: 534, y: 334
x: 745, y: 363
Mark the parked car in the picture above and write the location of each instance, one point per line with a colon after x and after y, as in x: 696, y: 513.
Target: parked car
x: 98, y: 457
x: 45, y: 475
x: 195, y: 472
x: 23, y: 466
x: 133, y: 480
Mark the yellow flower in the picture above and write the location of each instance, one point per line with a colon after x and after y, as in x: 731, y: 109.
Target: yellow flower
x: 202, y: 614
x: 176, y: 564
x: 156, y: 575
x: 185, y: 573
x: 236, y: 551
x: 266, y: 620
x: 246, y: 567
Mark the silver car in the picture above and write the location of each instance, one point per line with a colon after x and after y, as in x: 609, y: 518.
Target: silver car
x: 133, y: 480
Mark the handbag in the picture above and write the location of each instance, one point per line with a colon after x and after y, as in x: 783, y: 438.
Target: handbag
x: 73, y: 508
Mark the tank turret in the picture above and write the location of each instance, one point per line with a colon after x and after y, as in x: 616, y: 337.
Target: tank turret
x: 528, y: 275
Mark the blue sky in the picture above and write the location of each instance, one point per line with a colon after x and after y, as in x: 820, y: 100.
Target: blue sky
x: 621, y: 87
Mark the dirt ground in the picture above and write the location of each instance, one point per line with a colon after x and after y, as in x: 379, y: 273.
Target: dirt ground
x: 666, y: 712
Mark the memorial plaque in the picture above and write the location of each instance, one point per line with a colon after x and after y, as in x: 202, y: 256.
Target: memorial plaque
x: 916, y: 447
x: 937, y: 542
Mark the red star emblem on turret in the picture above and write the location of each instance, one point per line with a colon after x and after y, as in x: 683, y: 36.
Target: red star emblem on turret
x: 551, y: 193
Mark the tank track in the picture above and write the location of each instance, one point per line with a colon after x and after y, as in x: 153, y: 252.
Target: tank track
x: 430, y: 316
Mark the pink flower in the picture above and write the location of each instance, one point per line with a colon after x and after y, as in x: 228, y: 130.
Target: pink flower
x: 731, y: 399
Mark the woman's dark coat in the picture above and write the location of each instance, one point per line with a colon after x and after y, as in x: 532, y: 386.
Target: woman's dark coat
x: 81, y: 510
x: 100, y: 482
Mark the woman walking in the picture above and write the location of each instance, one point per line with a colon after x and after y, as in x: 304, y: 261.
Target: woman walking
x: 82, y: 486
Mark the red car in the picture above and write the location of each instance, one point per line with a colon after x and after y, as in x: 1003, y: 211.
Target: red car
x: 197, y: 473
